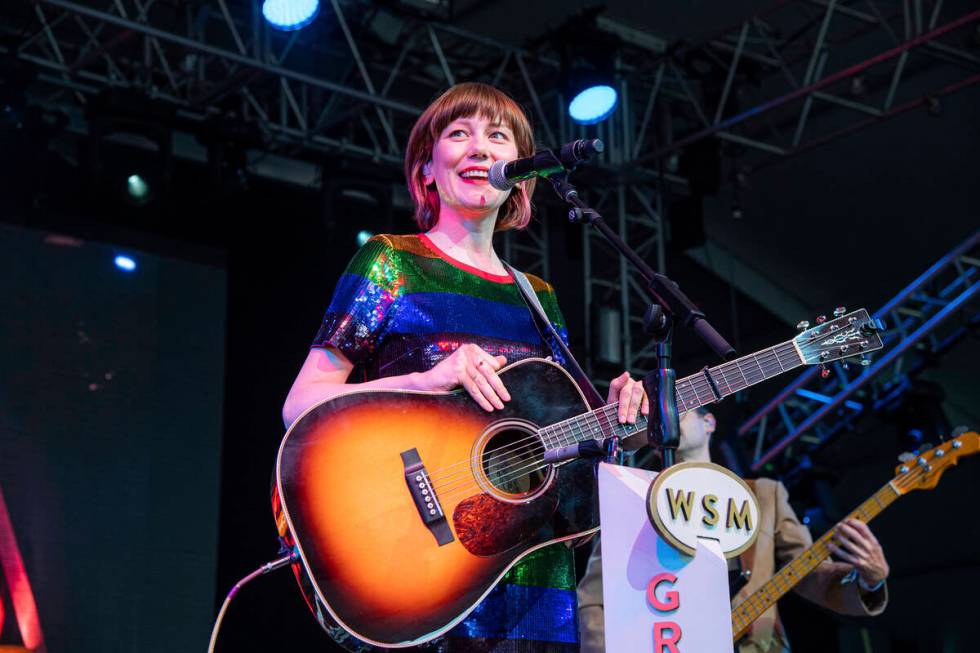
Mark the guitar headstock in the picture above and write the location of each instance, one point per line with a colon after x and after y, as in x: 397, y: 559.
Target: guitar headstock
x: 844, y: 336
x: 923, y: 471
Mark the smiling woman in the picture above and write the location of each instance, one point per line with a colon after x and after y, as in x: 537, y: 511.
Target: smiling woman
x: 439, y: 310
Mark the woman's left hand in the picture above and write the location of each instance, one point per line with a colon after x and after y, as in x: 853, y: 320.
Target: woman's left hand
x: 631, y: 397
x: 854, y: 543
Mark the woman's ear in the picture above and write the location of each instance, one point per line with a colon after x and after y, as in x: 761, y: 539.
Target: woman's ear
x: 427, y: 177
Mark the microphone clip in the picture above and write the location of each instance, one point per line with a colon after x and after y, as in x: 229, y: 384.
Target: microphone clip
x: 583, y: 216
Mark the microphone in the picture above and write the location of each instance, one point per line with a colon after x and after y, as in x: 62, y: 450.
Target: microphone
x: 583, y: 449
x: 504, y: 175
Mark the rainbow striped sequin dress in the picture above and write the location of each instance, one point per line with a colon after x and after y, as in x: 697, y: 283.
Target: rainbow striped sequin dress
x: 402, y: 306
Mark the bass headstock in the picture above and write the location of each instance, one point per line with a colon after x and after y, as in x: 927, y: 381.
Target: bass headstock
x: 922, y: 472
x: 850, y: 334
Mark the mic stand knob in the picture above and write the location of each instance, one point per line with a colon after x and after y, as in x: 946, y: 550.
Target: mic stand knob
x: 614, y: 450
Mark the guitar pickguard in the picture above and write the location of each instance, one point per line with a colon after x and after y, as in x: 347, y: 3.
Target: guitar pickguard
x: 487, y: 526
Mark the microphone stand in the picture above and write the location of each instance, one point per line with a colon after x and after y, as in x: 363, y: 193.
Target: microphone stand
x: 671, y: 306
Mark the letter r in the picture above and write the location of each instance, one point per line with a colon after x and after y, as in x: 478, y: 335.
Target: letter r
x: 663, y: 640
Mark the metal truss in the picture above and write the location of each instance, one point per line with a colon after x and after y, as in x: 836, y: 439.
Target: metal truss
x: 924, y: 320
x: 615, y: 301
x: 352, y: 84
x: 808, y: 72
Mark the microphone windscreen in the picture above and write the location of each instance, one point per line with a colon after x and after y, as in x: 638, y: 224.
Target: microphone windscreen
x: 498, y: 178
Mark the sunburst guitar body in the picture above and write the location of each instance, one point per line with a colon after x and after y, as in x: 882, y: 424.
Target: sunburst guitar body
x: 347, y: 490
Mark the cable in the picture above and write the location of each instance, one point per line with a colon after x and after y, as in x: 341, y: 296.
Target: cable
x: 264, y: 569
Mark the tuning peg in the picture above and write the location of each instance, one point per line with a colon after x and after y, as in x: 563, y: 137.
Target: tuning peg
x: 874, y: 325
x: 824, y: 371
x: 906, y: 456
x: 840, y: 310
x: 865, y: 360
x: 821, y: 319
x: 803, y: 325
x: 844, y: 365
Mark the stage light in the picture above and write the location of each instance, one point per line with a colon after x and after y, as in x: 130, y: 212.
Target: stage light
x: 125, y: 263
x: 137, y: 188
x: 593, y: 105
x: 588, y: 71
x: 290, y: 15
x: 362, y: 237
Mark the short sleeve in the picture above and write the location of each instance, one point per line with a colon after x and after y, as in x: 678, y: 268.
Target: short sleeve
x: 363, y: 302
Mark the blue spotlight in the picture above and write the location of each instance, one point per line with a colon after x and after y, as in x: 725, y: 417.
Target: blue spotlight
x: 362, y: 237
x: 290, y: 15
x: 593, y: 105
x: 138, y: 188
x: 125, y: 263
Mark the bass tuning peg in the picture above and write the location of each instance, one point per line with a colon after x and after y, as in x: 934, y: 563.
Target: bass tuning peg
x: 839, y: 311
x: 802, y: 325
x: 821, y: 319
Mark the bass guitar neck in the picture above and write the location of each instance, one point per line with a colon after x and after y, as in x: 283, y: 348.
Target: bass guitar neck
x: 919, y: 472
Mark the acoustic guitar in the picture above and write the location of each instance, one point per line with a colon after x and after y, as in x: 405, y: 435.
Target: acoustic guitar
x: 919, y: 473
x: 406, y: 508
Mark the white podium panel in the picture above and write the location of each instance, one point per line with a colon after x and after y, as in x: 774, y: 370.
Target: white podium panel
x: 657, y: 599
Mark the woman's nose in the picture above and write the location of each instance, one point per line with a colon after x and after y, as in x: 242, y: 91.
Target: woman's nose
x: 479, y: 148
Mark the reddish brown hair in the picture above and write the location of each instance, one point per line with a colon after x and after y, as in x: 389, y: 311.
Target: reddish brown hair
x: 463, y: 101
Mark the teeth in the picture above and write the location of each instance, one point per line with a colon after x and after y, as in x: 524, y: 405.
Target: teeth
x: 478, y: 174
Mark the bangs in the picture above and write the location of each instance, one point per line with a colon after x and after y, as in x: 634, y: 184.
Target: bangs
x: 485, y: 102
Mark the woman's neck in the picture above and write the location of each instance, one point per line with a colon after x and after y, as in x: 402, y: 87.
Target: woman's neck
x: 467, y: 240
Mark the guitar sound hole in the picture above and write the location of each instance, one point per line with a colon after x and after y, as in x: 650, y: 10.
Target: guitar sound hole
x: 513, y: 462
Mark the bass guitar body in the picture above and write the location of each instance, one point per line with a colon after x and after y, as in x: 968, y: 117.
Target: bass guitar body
x: 406, y: 508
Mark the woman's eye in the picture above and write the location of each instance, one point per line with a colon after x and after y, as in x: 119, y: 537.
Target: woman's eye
x: 456, y: 132
x: 499, y: 134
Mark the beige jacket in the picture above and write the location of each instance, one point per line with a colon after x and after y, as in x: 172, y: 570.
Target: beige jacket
x: 781, y: 538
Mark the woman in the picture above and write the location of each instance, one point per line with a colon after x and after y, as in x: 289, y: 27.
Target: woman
x: 438, y: 310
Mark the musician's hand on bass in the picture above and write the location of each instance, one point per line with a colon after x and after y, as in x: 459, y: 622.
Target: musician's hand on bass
x: 854, y: 543
x: 473, y: 369
x: 631, y: 397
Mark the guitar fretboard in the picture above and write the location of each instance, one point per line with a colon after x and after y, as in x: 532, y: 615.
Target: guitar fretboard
x: 766, y: 596
x: 692, y: 392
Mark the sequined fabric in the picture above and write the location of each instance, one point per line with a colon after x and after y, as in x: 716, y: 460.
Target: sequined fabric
x: 402, y: 306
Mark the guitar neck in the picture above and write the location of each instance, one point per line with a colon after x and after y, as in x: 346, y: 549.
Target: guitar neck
x: 766, y: 596
x: 692, y: 392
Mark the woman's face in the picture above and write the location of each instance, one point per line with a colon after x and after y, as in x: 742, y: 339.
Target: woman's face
x: 461, y: 159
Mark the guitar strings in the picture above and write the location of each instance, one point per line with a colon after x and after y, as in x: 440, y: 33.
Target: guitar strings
x: 448, y: 484
x: 464, y: 479
x: 785, y: 350
x: 529, y: 466
x: 695, y: 383
x: 762, y: 599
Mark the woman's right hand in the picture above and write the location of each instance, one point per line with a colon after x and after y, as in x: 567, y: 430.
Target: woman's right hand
x: 474, y: 369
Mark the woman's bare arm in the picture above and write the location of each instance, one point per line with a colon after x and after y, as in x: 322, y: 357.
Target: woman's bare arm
x: 324, y: 375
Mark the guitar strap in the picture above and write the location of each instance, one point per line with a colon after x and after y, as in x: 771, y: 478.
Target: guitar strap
x: 551, y: 338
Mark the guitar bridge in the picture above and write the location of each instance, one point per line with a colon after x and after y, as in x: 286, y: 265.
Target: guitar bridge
x: 424, y: 496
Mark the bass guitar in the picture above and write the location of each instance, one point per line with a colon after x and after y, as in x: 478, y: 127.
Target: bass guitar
x: 406, y: 508
x: 919, y: 473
